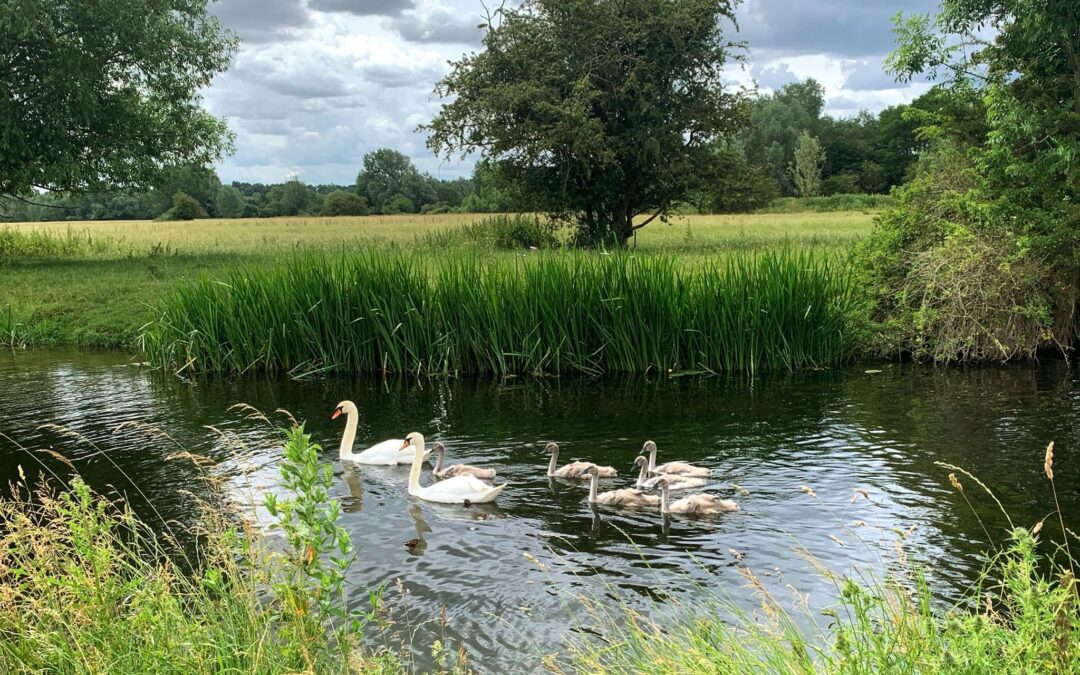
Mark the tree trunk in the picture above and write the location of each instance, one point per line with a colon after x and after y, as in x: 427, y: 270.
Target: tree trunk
x: 622, y: 222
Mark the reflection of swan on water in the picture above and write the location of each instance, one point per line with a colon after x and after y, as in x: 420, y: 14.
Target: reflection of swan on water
x: 456, y: 490
x: 575, y: 470
x: 456, y: 469
x: 679, y: 468
x: 385, y: 453
x: 356, y: 490
x: 418, y: 546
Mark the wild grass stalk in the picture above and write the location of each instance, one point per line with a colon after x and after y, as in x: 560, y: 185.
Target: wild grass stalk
x: 379, y: 311
x: 87, y: 587
x: 1022, y: 615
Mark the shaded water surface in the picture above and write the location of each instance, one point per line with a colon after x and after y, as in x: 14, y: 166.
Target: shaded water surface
x: 509, y: 576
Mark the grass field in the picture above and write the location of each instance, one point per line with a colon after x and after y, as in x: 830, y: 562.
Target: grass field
x: 95, y: 283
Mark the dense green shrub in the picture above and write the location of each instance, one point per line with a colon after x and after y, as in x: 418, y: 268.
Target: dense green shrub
x: 398, y: 204
x: 841, y: 184
x: 342, y: 203
x: 185, y: 207
x: 946, y: 282
x: 499, y: 233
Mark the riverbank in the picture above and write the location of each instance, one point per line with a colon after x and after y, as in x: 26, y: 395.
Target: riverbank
x: 96, y: 284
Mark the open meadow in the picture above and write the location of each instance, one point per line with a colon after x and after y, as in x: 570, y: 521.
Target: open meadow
x: 95, y: 283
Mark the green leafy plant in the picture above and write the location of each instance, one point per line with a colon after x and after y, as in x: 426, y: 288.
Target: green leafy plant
x: 319, y: 551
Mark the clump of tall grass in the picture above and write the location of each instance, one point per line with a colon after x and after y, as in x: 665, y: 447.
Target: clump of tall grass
x: 502, y: 232
x: 1022, y: 615
x: 87, y: 587
x: 31, y: 244
x: 541, y: 313
x: 830, y: 203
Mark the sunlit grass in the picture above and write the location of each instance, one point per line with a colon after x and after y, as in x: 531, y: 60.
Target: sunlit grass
x: 262, y: 236
x: 93, y: 283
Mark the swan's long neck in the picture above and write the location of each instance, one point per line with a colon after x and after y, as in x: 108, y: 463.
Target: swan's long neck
x: 414, y: 472
x: 664, y: 498
x: 554, y: 461
x: 441, y: 452
x: 594, y: 480
x: 347, y: 439
x: 652, y: 458
x: 643, y: 473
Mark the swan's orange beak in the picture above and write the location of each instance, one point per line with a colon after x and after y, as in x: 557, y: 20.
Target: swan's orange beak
x: 405, y: 444
x: 337, y: 413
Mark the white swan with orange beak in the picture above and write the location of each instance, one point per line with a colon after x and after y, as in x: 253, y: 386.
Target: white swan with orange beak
x: 385, y: 453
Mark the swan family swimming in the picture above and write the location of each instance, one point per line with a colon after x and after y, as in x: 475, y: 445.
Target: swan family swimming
x: 465, y: 484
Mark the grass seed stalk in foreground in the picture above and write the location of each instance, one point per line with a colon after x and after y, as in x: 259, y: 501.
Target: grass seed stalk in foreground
x: 86, y: 587
x: 543, y: 313
x: 1016, y: 618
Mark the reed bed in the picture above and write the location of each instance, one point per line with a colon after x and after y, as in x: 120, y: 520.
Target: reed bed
x: 379, y: 311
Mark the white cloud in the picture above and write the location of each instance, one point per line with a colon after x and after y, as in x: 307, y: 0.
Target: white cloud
x: 319, y: 83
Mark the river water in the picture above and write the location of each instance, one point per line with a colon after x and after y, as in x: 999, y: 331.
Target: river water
x: 506, y: 581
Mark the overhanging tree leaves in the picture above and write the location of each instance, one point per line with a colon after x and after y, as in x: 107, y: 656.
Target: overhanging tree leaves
x: 981, y: 259
x: 105, y: 94
x: 599, y: 110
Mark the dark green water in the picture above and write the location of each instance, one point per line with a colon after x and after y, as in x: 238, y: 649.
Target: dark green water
x: 834, y: 432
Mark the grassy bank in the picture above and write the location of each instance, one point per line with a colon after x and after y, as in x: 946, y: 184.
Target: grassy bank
x: 545, y: 313
x: 86, y: 587
x: 94, y: 283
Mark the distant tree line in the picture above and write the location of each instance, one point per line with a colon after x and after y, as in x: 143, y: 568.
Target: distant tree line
x: 756, y: 164
x: 388, y: 184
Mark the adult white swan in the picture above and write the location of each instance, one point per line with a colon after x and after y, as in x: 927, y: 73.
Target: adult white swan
x: 675, y: 468
x: 456, y: 490
x: 386, y: 453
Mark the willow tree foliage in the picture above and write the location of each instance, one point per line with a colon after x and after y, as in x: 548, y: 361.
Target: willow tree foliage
x: 603, y: 111
x: 106, y: 94
x: 982, y: 257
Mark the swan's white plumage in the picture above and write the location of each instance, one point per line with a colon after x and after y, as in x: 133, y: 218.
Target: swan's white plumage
x: 456, y: 490
x: 384, y: 453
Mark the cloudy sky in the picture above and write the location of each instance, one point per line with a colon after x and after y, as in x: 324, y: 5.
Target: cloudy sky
x: 316, y: 84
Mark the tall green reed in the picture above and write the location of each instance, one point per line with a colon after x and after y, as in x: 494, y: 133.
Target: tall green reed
x: 379, y: 311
